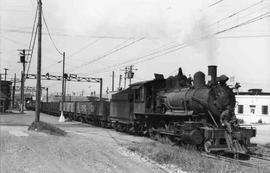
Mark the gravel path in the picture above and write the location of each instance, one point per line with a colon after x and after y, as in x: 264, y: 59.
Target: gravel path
x: 86, y: 148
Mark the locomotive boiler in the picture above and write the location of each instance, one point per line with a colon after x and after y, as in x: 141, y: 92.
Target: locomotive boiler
x: 212, y: 98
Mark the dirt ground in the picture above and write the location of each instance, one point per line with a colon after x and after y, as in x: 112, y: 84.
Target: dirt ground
x: 86, y: 148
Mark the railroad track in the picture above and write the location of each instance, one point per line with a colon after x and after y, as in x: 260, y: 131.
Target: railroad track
x: 257, y: 162
x: 261, y: 156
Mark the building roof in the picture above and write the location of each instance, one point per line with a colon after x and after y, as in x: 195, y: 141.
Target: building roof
x: 253, y: 94
x: 254, y: 91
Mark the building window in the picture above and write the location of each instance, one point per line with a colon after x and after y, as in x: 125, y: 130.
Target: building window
x: 240, y: 109
x: 252, y: 109
x: 264, y: 110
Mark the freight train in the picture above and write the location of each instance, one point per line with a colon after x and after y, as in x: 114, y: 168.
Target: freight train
x: 184, y: 109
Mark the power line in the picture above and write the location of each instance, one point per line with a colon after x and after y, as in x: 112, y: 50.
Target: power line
x: 74, y: 53
x: 47, y: 28
x: 152, y: 52
x: 32, y: 50
x: 83, y: 48
x: 237, y: 12
x: 16, y: 30
x: 109, y: 53
x: 181, y: 46
x: 260, y: 17
x: 11, y: 40
x: 178, y: 46
x: 247, y: 14
x: 32, y: 42
x: 244, y: 36
x: 215, y: 3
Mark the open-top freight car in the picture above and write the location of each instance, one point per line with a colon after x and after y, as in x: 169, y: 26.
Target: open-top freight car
x: 87, y: 111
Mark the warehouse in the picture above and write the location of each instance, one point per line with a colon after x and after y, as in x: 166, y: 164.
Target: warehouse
x: 253, y: 106
x: 5, y: 95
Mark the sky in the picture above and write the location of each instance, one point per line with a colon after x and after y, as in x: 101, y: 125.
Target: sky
x: 156, y: 36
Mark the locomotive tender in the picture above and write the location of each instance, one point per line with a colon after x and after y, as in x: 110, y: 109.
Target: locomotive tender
x: 184, y: 110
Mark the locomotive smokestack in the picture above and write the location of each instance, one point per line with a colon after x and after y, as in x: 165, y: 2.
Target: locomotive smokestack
x: 212, y: 74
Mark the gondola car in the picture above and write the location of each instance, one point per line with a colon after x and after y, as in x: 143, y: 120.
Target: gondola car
x: 87, y: 111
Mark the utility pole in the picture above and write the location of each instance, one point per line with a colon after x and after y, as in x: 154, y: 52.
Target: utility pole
x: 100, y: 91
x: 125, y: 79
x: 113, y: 81
x: 23, y: 61
x: 5, y: 73
x: 47, y: 94
x: 62, y: 118
x: 38, y: 86
x: 120, y: 80
x: 131, y: 73
x: 13, y: 94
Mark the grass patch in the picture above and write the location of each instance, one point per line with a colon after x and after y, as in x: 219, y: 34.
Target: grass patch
x: 262, y: 149
x: 186, y: 158
x: 46, y: 128
x: 267, y: 145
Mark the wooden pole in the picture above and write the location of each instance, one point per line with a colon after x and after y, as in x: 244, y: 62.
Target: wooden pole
x: 47, y: 95
x: 120, y: 78
x: 113, y: 81
x: 63, y: 82
x: 100, y: 91
x: 13, y: 94
x: 38, y: 86
x: 22, y: 88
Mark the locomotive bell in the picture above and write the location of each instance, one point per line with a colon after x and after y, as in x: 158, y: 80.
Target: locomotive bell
x: 212, y: 74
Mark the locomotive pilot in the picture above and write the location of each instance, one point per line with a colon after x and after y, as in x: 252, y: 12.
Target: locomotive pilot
x: 228, y: 118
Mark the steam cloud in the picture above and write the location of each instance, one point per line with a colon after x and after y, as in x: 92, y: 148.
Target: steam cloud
x: 202, y: 39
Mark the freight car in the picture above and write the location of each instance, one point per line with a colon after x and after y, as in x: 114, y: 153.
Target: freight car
x: 184, y: 109
x: 87, y: 111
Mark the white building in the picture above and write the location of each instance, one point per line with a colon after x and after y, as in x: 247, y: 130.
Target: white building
x: 253, y: 106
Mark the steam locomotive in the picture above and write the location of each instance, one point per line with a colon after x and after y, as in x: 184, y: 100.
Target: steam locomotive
x: 184, y: 109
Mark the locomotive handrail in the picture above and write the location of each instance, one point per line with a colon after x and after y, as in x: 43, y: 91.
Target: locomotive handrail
x: 212, y: 118
x: 200, y: 102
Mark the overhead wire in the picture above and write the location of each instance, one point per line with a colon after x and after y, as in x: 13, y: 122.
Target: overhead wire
x: 244, y: 36
x: 47, y: 28
x: 16, y: 30
x: 12, y: 40
x: 183, y: 45
x: 83, y: 48
x: 238, y: 12
x: 32, y: 42
x: 260, y: 17
x: 215, y: 3
x: 248, y: 14
x: 76, y: 52
x: 32, y: 49
x: 109, y: 53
